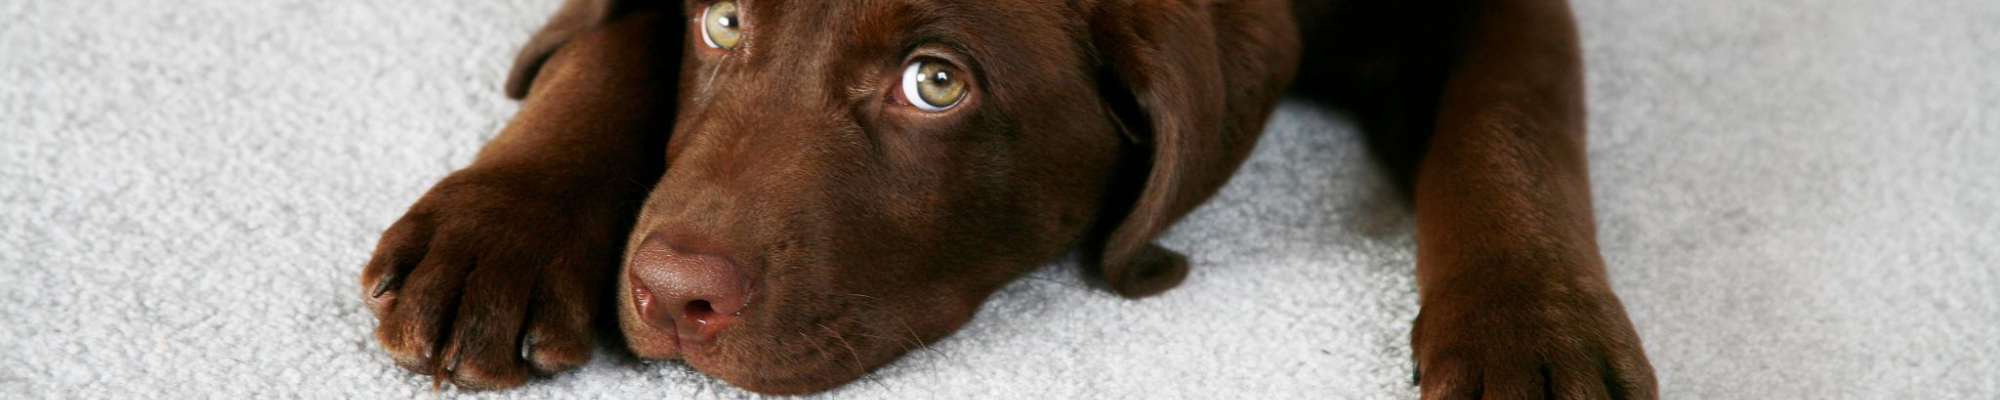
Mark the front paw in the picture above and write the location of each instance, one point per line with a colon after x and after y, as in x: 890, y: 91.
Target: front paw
x: 494, y: 276
x: 1565, y: 342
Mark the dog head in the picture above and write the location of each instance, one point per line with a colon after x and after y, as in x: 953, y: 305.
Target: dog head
x: 847, y: 180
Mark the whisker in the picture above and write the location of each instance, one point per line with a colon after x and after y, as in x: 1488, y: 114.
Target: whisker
x: 898, y: 341
x: 1057, y: 282
x: 877, y: 310
x: 920, y: 340
x: 816, y: 348
x: 850, y: 348
x: 710, y: 81
x: 858, y: 367
x: 878, y: 383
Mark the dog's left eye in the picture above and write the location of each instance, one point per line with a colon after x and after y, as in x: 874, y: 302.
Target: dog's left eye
x: 933, y: 85
x: 721, y: 25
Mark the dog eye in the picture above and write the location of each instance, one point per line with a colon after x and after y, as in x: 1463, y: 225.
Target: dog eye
x: 721, y: 27
x: 933, y: 85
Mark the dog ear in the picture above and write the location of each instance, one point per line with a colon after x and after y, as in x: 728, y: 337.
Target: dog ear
x: 576, y: 16
x: 1198, y: 81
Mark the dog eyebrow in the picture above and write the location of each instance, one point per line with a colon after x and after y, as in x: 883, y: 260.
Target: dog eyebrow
x: 905, y: 24
x: 880, y: 23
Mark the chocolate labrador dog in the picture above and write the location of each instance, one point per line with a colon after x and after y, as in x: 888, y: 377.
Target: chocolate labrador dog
x: 787, y: 194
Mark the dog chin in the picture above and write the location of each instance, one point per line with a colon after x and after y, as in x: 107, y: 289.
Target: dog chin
x: 769, y: 370
x: 766, y: 369
x: 779, y: 379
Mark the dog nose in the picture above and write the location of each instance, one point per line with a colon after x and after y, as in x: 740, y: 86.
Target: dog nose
x: 694, y: 293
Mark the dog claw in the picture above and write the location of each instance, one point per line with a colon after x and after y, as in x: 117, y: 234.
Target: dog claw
x: 527, y: 345
x: 437, y: 376
x: 1416, y: 374
x: 383, y: 286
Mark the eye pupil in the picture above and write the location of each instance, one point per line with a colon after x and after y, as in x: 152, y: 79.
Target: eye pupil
x: 941, y: 78
x: 727, y: 21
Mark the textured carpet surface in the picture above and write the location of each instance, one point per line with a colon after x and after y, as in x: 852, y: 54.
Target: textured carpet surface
x: 1798, y: 199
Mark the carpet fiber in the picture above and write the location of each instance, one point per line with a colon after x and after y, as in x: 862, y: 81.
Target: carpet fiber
x: 1797, y: 199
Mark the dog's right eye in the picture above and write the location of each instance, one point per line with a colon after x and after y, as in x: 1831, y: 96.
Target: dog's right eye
x: 721, y: 26
x: 932, y: 85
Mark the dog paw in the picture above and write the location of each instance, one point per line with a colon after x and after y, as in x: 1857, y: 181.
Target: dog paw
x: 1558, y: 343
x: 493, y: 277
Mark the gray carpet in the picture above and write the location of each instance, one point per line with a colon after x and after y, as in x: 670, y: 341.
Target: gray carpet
x: 1798, y: 199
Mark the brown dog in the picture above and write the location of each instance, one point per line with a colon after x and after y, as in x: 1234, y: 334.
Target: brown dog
x: 830, y: 181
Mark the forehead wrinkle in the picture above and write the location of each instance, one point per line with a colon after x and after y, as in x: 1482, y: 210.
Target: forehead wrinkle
x: 873, y: 31
x: 1013, y: 46
x: 1020, y: 47
x: 1025, y: 44
x: 879, y: 23
x: 770, y: 23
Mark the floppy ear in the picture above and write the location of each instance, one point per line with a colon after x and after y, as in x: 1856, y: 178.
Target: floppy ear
x: 576, y: 16
x: 1202, y: 79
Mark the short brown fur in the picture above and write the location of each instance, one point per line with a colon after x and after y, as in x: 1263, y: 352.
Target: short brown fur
x: 872, y: 228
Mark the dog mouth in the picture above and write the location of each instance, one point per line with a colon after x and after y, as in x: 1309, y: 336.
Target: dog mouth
x: 691, y: 298
x: 773, y: 351
x: 778, y: 316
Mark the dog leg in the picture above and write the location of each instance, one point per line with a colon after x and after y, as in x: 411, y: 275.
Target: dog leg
x: 1515, y: 302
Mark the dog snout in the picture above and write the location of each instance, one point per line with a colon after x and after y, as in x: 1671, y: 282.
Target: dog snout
x: 686, y: 289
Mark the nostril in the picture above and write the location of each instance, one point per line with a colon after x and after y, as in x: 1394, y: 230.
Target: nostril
x: 700, y: 310
x: 701, y: 319
x: 692, y: 292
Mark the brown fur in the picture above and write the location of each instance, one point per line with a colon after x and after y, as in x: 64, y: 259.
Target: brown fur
x: 870, y: 228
